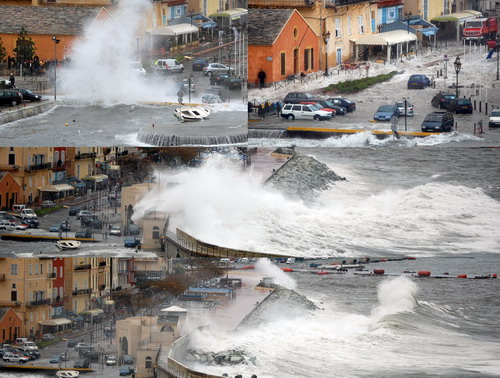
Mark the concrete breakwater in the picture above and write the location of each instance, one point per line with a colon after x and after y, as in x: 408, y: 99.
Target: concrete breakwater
x: 162, y: 139
x: 25, y: 111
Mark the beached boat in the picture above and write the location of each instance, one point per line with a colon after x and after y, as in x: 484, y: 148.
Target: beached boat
x: 68, y: 244
x: 191, y: 113
x: 67, y: 373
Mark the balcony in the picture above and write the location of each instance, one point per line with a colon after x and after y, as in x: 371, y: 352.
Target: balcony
x: 51, y: 275
x: 281, y: 3
x: 339, y: 3
x: 9, y: 304
x: 9, y: 167
x: 82, y: 267
x: 38, y: 167
x: 89, y: 155
x: 38, y: 302
x: 81, y: 291
x: 2, y: 277
x: 102, y: 287
x: 102, y: 264
x: 60, y: 166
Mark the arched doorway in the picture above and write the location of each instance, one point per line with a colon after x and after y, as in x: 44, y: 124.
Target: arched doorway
x: 124, y: 346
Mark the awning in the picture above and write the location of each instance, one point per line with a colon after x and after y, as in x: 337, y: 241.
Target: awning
x: 457, y: 16
x: 94, y: 312
x: 173, y: 29
x: 209, y: 25
x: 199, y: 16
x: 387, y: 38
x: 55, y: 188
x: 97, y: 178
x: 174, y: 309
x: 234, y: 13
x: 55, y: 322
x: 114, y: 167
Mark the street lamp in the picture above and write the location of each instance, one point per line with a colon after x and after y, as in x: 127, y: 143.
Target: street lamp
x: 498, y: 59
x: 56, y: 41
x: 326, y: 38
x: 408, y: 18
x: 458, y: 66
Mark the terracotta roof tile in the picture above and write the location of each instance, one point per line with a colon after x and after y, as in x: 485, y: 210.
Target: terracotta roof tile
x: 264, y: 25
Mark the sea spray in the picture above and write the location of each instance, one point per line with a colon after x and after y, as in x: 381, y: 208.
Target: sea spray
x: 395, y: 295
x: 266, y: 268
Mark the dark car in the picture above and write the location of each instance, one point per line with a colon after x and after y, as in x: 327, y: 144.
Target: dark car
x: 233, y: 82
x: 32, y: 223
x: 460, y: 105
x: 10, y: 97
x: 214, y: 95
x: 73, y: 210
x: 297, y: 97
x: 199, y: 64
x: 442, y: 100
x: 89, y: 354
x: 65, y: 226
x: 81, y: 364
x: 30, y: 96
x: 344, y: 102
x: 126, y: 370
x: 438, y: 122
x: 339, y: 110
x: 72, y: 343
x: 127, y: 359
x: 131, y: 242
x: 418, y: 81
x: 219, y: 78
x: 133, y: 229
x: 83, y: 233
x: 386, y: 112
x: 32, y: 354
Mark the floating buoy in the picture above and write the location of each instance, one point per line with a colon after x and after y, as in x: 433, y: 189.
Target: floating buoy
x: 287, y: 269
x: 424, y: 273
x: 249, y: 267
x: 383, y: 260
x: 410, y: 258
x: 494, y: 275
x: 66, y: 124
x: 378, y: 271
x: 462, y: 276
x: 322, y: 273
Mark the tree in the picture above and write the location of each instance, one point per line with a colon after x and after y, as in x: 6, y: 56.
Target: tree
x: 3, y: 52
x: 131, y: 301
x: 25, y: 47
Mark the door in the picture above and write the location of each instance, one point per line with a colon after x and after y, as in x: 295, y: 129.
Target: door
x: 307, y: 113
x: 296, y: 61
x: 339, y: 56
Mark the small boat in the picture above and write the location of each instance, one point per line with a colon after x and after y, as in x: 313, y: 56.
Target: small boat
x: 192, y: 113
x: 68, y: 244
x: 67, y: 373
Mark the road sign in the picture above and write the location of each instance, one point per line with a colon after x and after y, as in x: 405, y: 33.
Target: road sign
x: 394, y: 123
x: 221, y: 43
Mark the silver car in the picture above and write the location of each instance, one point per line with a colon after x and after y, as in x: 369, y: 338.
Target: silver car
x: 213, y: 68
x: 409, y: 108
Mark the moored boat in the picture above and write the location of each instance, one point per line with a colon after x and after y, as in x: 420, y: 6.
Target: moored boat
x: 191, y: 113
x: 67, y: 373
x: 68, y: 244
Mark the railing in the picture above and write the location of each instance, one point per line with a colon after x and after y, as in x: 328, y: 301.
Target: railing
x: 102, y: 287
x: 102, y: 263
x: 51, y: 275
x: 2, y: 277
x: 81, y: 291
x: 82, y: 267
x: 9, y: 167
x: 39, y: 302
x: 337, y: 3
x: 10, y: 304
x: 87, y: 155
x: 280, y: 3
x: 36, y: 167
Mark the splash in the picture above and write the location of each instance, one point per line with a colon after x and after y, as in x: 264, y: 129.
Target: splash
x: 395, y: 295
x: 266, y: 268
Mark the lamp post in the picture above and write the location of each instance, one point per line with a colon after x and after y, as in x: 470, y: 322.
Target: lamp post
x: 498, y: 59
x: 56, y: 41
x: 458, y: 66
x: 326, y: 38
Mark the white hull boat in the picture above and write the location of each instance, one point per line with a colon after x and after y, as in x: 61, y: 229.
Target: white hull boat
x: 67, y: 374
x: 190, y: 114
x: 68, y: 244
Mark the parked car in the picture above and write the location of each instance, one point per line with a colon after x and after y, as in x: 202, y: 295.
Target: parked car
x: 82, y: 345
x: 73, y: 210
x: 126, y: 370
x: 55, y: 227
x: 199, y: 64
x: 442, y: 100
x: 131, y: 242
x: 14, y: 357
x: 127, y: 359
x: 48, y: 203
x: 10, y: 97
x: 32, y: 223
x: 55, y: 359
x: 234, y: 82
x: 320, y: 106
x: 111, y: 361
x: 29, y: 345
x: 168, y: 66
x: 213, y: 68
x: 29, y: 96
x: 494, y: 120
x: 116, y: 231
x: 90, y: 354
x: 32, y: 354
x: 81, y: 364
x: 438, y: 122
x: 133, y: 229
x: 12, y: 225
x: 48, y: 337
x: 339, y: 110
x: 386, y: 112
x: 297, y: 97
x: 83, y: 233
x: 418, y: 81
x: 219, y: 78
x: 341, y: 101
x: 28, y: 214
x: 18, y: 208
x: 83, y: 213
x: 136, y: 69
x: 5, y: 83
x: 460, y: 105
x: 401, y: 107
x: 214, y: 95
x: 188, y: 86
x: 307, y: 112
x: 72, y: 343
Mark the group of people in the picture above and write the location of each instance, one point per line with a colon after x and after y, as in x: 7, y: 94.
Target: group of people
x: 266, y: 108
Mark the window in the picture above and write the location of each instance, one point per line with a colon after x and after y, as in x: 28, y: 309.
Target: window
x: 283, y: 63
x: 36, y: 268
x: 13, y: 269
x: 349, y: 25
x: 13, y: 296
x: 295, y: 33
x: 361, y: 25
x: 30, y: 269
x: 156, y: 232
x: 60, y: 271
x: 41, y: 268
x: 149, y: 363
x: 308, y: 59
x: 337, y: 28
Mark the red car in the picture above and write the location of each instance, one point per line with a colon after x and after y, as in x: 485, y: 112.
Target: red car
x: 333, y: 111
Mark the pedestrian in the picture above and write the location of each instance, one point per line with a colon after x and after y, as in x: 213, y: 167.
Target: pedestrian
x: 278, y: 108
x: 12, y: 79
x: 262, y: 78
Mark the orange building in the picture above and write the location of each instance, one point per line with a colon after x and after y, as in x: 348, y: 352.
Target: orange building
x: 10, y: 325
x: 42, y: 23
x: 10, y: 191
x: 282, y: 43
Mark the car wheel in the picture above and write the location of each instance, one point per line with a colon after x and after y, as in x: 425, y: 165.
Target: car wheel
x: 182, y: 69
x: 291, y: 117
x: 209, y: 73
x: 316, y: 117
x: 14, y: 103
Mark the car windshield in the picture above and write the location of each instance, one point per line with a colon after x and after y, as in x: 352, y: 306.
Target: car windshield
x: 385, y: 108
x: 314, y: 106
x: 495, y: 113
x: 473, y: 24
x: 416, y: 78
x: 434, y: 118
x: 449, y: 97
x: 28, y: 211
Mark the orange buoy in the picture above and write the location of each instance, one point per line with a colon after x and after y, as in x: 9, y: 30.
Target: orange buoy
x: 248, y: 267
x: 462, y: 276
x: 494, y: 275
x: 424, y: 273
x: 287, y: 269
x: 378, y: 271
x: 322, y: 273
x: 410, y: 258
x: 383, y: 260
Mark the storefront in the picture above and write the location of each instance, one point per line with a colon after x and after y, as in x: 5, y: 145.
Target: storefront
x: 55, y: 192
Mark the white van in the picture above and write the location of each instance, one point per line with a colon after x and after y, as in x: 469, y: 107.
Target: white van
x: 28, y: 214
x: 225, y: 261
x: 290, y: 260
x: 168, y: 66
x: 18, y: 208
x: 29, y: 345
x: 21, y: 340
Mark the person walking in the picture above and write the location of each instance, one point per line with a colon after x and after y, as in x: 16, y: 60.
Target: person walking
x: 12, y: 79
x: 262, y: 78
x: 278, y: 108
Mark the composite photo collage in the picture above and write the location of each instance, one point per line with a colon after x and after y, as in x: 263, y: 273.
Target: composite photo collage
x: 249, y: 188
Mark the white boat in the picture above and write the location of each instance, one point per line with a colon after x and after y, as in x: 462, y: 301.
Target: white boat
x: 67, y: 373
x: 191, y: 113
x: 68, y: 244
